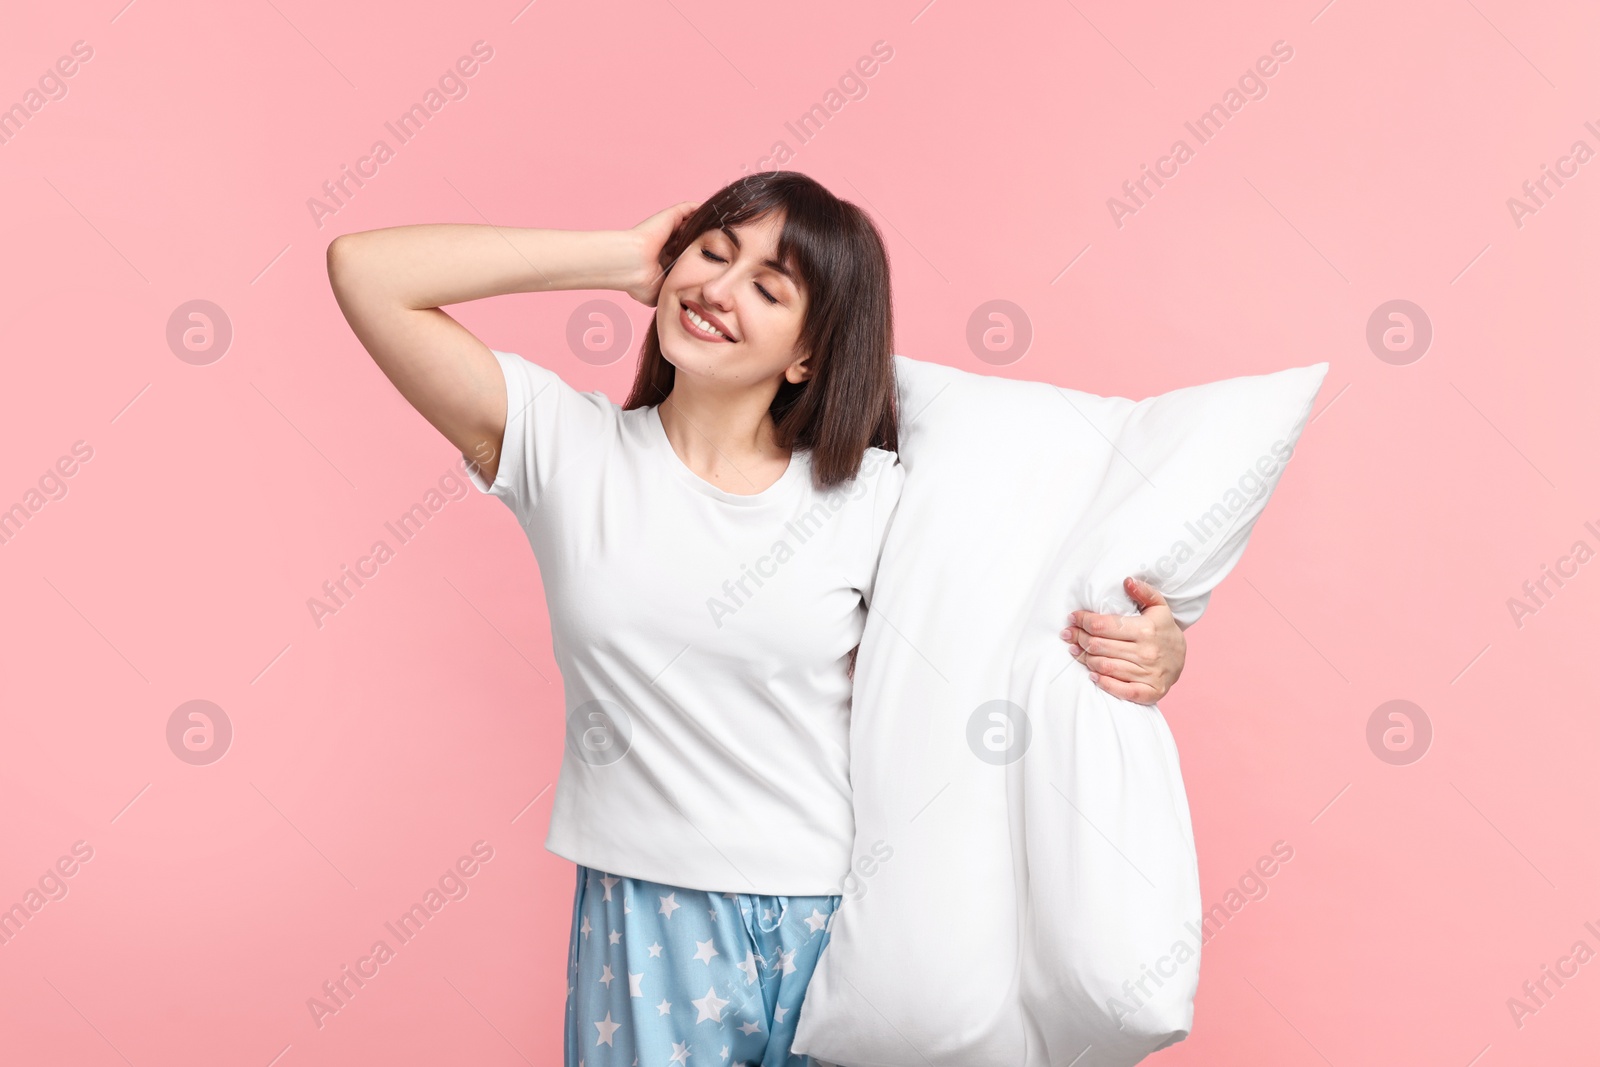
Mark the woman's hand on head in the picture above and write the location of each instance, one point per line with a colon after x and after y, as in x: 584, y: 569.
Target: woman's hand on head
x: 653, y: 234
x: 1135, y: 657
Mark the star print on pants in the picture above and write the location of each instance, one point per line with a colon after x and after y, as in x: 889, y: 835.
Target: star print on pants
x: 710, y: 1006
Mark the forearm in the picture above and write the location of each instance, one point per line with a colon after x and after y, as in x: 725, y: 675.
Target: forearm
x: 431, y: 265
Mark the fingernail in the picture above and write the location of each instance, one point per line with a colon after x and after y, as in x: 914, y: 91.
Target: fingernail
x: 1093, y: 677
x: 1074, y: 649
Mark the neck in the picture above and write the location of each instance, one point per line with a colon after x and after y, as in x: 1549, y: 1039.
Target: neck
x: 710, y: 428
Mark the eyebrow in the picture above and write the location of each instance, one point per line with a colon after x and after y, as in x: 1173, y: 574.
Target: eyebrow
x: 774, y: 264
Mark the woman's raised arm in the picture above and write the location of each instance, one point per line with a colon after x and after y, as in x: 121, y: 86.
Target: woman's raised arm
x: 391, y: 283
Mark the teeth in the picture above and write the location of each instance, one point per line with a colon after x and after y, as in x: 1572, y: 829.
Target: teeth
x: 702, y: 323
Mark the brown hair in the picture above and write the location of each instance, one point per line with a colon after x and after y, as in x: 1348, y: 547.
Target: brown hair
x: 847, y: 405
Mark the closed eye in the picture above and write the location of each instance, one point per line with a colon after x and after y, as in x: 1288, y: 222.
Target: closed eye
x: 759, y: 288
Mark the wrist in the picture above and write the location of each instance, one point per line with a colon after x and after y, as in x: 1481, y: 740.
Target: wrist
x: 626, y: 260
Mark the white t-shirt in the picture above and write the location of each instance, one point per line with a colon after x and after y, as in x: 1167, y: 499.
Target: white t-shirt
x: 703, y: 638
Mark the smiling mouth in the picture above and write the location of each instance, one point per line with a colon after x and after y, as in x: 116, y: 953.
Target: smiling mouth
x: 698, y: 327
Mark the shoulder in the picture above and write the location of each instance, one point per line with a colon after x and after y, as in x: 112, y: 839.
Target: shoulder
x: 536, y: 385
x: 879, y: 478
x: 882, y: 467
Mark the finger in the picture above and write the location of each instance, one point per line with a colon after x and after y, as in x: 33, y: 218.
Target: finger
x: 1138, y: 652
x: 1138, y: 694
x: 1118, y: 627
x: 1116, y: 668
x: 1143, y: 593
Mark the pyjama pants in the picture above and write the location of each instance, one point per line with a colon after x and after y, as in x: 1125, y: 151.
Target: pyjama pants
x: 661, y: 976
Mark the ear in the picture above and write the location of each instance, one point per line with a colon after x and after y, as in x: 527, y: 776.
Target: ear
x: 798, y: 371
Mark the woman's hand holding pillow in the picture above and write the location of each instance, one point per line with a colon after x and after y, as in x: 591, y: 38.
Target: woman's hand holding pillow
x: 1135, y: 657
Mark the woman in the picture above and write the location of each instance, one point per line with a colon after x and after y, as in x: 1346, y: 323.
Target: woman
x: 707, y: 551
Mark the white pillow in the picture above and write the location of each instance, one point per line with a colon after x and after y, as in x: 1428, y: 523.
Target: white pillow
x: 1028, y: 893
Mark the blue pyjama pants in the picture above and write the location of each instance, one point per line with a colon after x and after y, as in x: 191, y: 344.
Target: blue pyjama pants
x: 661, y: 976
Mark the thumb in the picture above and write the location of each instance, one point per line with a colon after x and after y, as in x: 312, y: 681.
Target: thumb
x: 1143, y: 593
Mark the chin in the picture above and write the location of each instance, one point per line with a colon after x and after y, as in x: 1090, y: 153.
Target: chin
x: 697, y: 363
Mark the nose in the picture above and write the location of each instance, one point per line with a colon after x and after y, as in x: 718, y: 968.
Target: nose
x: 717, y: 290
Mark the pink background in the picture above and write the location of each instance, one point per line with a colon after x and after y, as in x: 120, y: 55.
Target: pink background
x: 369, y: 754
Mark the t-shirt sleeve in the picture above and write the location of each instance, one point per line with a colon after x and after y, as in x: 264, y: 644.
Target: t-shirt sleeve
x: 891, y: 479
x: 548, y: 425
